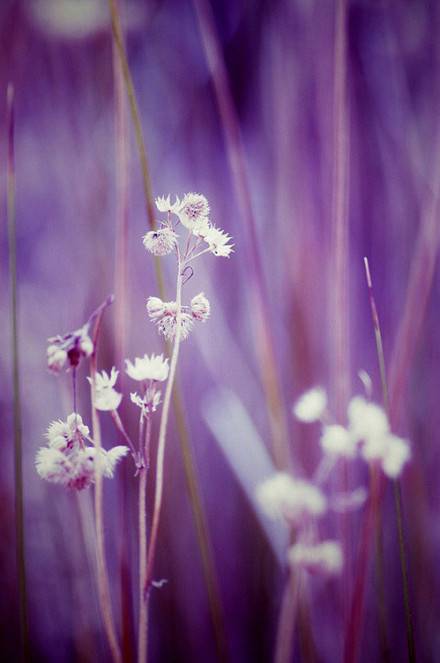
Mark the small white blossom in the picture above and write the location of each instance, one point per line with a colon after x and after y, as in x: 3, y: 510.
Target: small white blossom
x: 324, y: 557
x: 311, y: 405
x: 200, y: 307
x: 367, y: 420
x: 168, y: 325
x: 107, y: 460
x: 106, y: 397
x: 202, y: 227
x: 164, y: 204
x: 281, y: 496
x: 338, y: 441
x: 148, y: 368
x: 218, y: 242
x: 86, y: 345
x: 72, y: 432
x: 193, y: 209
x: 160, y: 242
x: 156, y: 307
x: 397, y: 454
x: 56, y: 358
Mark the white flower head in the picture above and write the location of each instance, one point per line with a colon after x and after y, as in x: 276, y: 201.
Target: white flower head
x: 149, y: 403
x: 156, y: 307
x: 338, y: 441
x: 218, y: 242
x: 107, y: 460
x: 56, y: 358
x: 168, y: 325
x: 164, y: 204
x: 325, y: 557
x: 202, y: 227
x: 148, y: 368
x: 193, y: 209
x: 281, y: 496
x: 200, y: 307
x: 70, y: 433
x: 160, y: 242
x: 311, y: 405
x: 397, y: 455
x: 106, y: 397
x: 366, y: 420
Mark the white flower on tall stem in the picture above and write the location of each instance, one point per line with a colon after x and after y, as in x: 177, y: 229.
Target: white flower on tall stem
x: 149, y: 402
x: 72, y: 432
x: 164, y: 204
x: 69, y: 349
x: 106, y: 397
x: 324, y: 557
x: 156, y: 307
x: 311, y: 405
x: 56, y: 358
x: 160, y: 242
x: 282, y: 496
x: 154, y: 367
x: 167, y: 325
x: 338, y: 441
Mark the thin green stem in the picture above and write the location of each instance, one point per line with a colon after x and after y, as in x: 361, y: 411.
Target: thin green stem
x: 18, y: 469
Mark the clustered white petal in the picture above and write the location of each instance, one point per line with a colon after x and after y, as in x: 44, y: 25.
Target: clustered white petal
x: 323, y: 557
x: 69, y: 349
x: 149, y: 402
x: 200, y: 307
x: 160, y: 242
x: 193, y: 209
x: 69, y: 460
x: 154, y: 367
x: 218, y: 242
x: 338, y: 441
x: 282, y: 496
x: 106, y: 397
x: 164, y: 314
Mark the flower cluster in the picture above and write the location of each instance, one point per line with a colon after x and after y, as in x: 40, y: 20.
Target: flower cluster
x: 164, y: 314
x: 367, y: 432
x: 69, y: 349
x: 69, y: 460
x: 106, y: 397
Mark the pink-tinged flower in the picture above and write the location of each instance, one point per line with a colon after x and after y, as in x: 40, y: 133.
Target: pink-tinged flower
x: 282, y: 496
x: 167, y: 325
x: 218, y: 242
x: 148, y: 368
x: 70, y: 433
x: 160, y: 242
x: 311, y: 406
x: 106, y: 397
x: 70, y: 349
x: 325, y: 557
x: 200, y: 307
x: 193, y: 209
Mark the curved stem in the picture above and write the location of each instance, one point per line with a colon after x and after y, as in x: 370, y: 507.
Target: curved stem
x: 143, y: 598
x: 162, y: 434
x: 101, y: 563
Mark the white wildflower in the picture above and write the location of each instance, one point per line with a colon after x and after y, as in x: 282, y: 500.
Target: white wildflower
x: 107, y: 460
x: 324, y: 557
x: 281, y: 496
x: 168, y: 325
x: 56, y: 358
x: 311, y: 405
x: 148, y: 368
x: 164, y: 204
x: 367, y: 420
x: 193, y: 209
x: 106, y: 397
x: 160, y: 242
x: 397, y: 454
x: 218, y: 242
x: 156, y: 307
x: 149, y: 403
x: 72, y: 432
x: 202, y: 227
x: 338, y: 441
x: 200, y: 307
x: 85, y: 344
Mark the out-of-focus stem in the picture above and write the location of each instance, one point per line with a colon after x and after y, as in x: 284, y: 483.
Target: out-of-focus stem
x: 162, y: 434
x: 18, y: 469
x: 286, y: 624
x: 265, y: 341
x: 143, y: 597
x: 101, y: 563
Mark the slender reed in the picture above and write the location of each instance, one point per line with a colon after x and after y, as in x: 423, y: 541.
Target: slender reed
x: 162, y: 434
x: 18, y: 469
x: 102, y: 572
x: 286, y: 624
x: 235, y: 150
x: 202, y: 530
x: 143, y: 599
